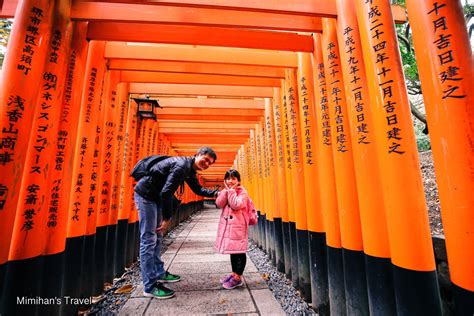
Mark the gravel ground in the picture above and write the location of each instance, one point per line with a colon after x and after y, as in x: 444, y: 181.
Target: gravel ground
x: 431, y: 192
x: 281, y: 287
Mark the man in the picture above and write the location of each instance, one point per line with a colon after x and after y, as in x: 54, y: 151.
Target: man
x: 154, y: 200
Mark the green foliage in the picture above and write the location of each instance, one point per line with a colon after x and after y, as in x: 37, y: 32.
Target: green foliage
x: 422, y: 140
x: 5, y: 29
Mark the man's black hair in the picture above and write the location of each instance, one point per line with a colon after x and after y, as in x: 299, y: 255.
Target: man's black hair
x: 207, y: 151
x: 232, y: 173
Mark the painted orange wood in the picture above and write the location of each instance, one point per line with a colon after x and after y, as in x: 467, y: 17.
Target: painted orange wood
x: 201, y: 90
x: 163, y: 77
x: 238, y: 56
x: 446, y: 67
x: 199, y: 35
x: 196, y: 67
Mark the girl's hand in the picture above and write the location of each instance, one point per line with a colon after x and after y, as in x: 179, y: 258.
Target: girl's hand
x: 225, y: 186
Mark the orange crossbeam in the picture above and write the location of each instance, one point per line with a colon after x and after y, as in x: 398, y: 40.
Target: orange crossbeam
x: 207, y: 118
x: 106, y: 11
x: 196, y: 68
x: 181, y: 130
x: 163, y: 77
x: 237, y: 127
x: 202, y: 90
x: 199, y: 35
x: 246, y: 15
x: 200, y: 54
x: 230, y: 112
x: 199, y: 103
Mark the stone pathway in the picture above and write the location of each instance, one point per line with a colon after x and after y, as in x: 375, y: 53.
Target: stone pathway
x: 192, y: 256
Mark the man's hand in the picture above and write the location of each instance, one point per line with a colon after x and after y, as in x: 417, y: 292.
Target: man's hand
x: 163, y: 226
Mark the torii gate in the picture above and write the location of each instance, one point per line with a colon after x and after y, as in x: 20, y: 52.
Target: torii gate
x: 272, y: 86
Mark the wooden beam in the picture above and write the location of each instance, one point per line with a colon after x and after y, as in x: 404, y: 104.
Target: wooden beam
x: 229, y: 112
x: 209, y: 119
x: 212, y: 138
x: 245, y: 15
x: 175, y: 130
x: 145, y: 13
x: 163, y: 77
x: 192, y: 147
x: 236, y: 56
x: 199, y: 35
x: 239, y: 128
x: 201, y: 105
x: 322, y: 8
x: 196, y: 68
x: 201, y: 90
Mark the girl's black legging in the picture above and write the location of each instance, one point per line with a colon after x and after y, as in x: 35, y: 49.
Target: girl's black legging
x: 238, y: 261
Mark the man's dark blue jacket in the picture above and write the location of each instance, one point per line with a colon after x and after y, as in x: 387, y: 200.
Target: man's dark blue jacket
x: 165, y: 177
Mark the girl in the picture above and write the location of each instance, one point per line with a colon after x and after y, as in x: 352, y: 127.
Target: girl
x: 232, y: 233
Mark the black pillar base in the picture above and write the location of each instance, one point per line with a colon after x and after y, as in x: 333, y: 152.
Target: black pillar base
x: 109, y: 253
x: 294, y: 255
x: 120, y: 250
x: 337, y: 296
x: 130, y: 244
x: 279, y: 249
x: 53, y: 272
x: 416, y: 292
x: 304, y: 279
x: 22, y: 281
x: 357, y: 302
x: 463, y: 301
x: 380, y: 286
x: 287, y: 248
x: 73, y: 270
x: 319, y: 273
x: 88, y: 275
x: 100, y: 264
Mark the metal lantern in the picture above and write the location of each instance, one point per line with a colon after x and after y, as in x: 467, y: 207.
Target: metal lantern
x: 146, y: 107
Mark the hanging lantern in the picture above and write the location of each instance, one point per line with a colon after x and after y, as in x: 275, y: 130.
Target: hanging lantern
x: 146, y: 107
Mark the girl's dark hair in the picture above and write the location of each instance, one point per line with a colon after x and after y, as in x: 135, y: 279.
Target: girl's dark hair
x: 232, y: 173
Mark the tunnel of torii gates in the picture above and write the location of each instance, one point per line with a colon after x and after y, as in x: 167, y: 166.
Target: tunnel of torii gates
x: 307, y: 99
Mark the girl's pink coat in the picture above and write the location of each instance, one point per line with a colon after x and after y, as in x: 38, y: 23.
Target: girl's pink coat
x: 232, y: 233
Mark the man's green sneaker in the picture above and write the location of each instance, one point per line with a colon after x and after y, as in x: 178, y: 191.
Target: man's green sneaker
x: 169, y: 278
x: 160, y: 292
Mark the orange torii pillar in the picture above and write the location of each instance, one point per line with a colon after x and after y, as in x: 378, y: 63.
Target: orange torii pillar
x: 126, y: 205
x: 89, y: 279
x: 60, y: 184
x: 24, y: 269
x: 116, y: 249
x: 289, y: 251
x: 268, y: 189
x: 327, y: 185
x: 22, y: 71
x: 109, y: 127
x: 276, y: 232
x: 78, y: 215
x: 372, y: 210
x: 249, y: 182
x: 346, y: 188
x: 292, y: 270
x: 415, y: 280
x: 270, y: 241
x: 316, y: 232
x: 260, y: 187
x: 298, y: 180
x: 447, y: 78
x: 281, y: 203
x: 125, y: 105
x: 252, y: 159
